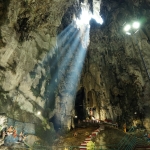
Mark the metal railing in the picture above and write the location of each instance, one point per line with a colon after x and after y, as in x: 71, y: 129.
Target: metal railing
x: 129, y: 142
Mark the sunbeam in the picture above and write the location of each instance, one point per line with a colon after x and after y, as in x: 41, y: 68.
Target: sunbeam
x: 77, y: 63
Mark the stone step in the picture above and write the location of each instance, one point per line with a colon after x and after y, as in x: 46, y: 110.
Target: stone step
x: 94, y: 133
x: 86, y: 141
x: 82, y: 147
x: 89, y: 138
x: 98, y: 130
x: 84, y: 144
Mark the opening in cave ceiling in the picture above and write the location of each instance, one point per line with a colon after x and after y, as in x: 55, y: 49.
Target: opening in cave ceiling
x: 87, y: 15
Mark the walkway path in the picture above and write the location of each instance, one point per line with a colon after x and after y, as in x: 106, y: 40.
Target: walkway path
x: 83, y: 145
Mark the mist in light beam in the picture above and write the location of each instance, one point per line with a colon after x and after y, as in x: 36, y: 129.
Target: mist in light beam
x: 74, y: 75
x: 62, y: 69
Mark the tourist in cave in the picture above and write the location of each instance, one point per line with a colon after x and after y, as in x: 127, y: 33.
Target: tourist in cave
x: 11, y: 136
x: 21, y: 137
x: 4, y: 134
x: 93, y: 118
x: 124, y: 127
x: 91, y: 111
x: 148, y: 137
x: 116, y: 125
x: 10, y: 130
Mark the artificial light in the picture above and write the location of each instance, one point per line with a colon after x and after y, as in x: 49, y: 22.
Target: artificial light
x: 132, y: 28
x: 128, y: 33
x: 136, y: 25
x: 127, y: 27
x: 38, y: 113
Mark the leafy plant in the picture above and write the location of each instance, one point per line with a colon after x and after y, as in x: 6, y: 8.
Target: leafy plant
x: 90, y: 145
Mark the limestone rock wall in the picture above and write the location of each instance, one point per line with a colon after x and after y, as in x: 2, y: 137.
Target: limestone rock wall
x: 114, y: 70
x: 28, y: 48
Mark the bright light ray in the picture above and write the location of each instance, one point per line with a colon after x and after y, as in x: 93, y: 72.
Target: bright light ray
x: 67, y: 47
x: 67, y: 29
x: 69, y: 55
x: 73, y: 46
x: 69, y: 50
x: 64, y: 74
x: 62, y: 41
x: 81, y: 52
x: 72, y: 42
x: 77, y: 64
x: 64, y: 35
x: 64, y: 64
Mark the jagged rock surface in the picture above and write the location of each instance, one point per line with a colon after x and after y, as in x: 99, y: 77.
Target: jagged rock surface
x: 28, y: 44
x: 114, y: 77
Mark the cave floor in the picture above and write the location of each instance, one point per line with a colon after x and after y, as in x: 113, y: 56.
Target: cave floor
x: 108, y: 136
x: 75, y: 137
x: 106, y: 139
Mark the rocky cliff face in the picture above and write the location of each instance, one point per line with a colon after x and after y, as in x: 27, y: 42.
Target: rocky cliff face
x: 28, y: 49
x: 116, y: 73
x: 114, y: 78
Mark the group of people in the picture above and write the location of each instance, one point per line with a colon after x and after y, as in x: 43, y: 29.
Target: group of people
x: 10, y: 135
x: 147, y: 136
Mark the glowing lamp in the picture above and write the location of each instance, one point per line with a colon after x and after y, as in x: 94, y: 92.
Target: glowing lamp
x: 128, y: 33
x: 136, y: 25
x: 127, y: 27
x: 38, y: 113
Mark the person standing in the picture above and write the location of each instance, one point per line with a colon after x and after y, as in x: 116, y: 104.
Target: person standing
x: 124, y: 127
